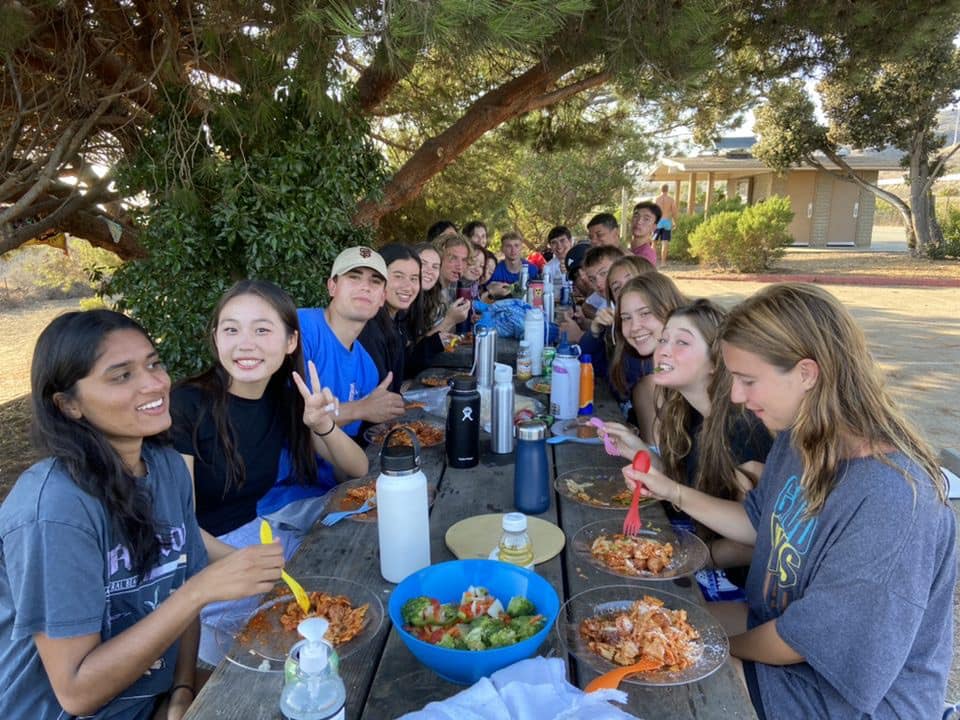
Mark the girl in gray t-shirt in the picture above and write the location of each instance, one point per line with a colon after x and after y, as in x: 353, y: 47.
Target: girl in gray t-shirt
x: 102, y: 570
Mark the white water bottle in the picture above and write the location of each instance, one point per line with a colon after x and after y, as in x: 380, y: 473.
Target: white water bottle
x: 533, y: 334
x: 313, y: 690
x: 565, y: 386
x: 403, y: 523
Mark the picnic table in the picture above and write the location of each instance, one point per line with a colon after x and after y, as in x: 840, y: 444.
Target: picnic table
x: 383, y: 679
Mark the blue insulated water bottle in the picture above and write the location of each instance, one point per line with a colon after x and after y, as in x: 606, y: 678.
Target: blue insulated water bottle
x: 531, y: 479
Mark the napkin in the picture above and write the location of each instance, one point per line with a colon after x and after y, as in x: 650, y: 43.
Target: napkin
x: 534, y: 689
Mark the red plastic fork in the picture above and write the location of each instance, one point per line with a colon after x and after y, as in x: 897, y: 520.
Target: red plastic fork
x: 631, y: 523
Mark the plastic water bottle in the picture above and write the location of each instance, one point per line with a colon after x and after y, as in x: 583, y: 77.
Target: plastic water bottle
x: 531, y: 475
x: 533, y: 334
x: 586, y: 385
x: 565, y: 385
x: 314, y: 691
x: 515, y: 546
x: 501, y: 430
x: 403, y: 522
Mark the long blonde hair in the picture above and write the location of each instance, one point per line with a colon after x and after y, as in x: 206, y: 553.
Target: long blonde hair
x: 662, y: 297
x: 716, y: 471
x: 790, y: 322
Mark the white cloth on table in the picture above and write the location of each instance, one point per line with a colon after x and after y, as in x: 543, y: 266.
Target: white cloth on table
x: 534, y: 689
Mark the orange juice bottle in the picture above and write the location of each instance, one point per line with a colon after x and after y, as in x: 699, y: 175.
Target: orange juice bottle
x: 586, y: 386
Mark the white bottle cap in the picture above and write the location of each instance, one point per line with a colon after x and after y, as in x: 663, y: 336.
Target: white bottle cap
x: 502, y: 373
x: 314, y: 655
x: 515, y: 522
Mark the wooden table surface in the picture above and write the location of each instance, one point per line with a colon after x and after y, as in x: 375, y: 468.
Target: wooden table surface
x: 383, y: 679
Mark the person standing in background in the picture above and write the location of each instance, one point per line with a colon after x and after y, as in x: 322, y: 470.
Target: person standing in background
x: 643, y: 224
x: 559, y: 240
x: 668, y: 212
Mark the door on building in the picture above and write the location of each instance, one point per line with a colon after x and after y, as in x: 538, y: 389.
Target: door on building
x: 800, y: 188
x: 844, y: 208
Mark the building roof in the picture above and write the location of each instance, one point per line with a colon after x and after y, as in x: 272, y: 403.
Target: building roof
x: 679, y: 168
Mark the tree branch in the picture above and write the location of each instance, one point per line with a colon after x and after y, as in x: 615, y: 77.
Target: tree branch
x: 847, y: 173
x: 939, y: 164
x: 560, y: 94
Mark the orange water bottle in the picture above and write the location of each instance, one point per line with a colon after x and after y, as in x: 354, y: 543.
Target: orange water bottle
x: 586, y: 386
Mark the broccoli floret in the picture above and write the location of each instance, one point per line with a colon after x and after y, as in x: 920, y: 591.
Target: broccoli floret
x: 527, y: 625
x: 505, y: 635
x: 520, y: 606
x: 474, y: 639
x: 453, y: 641
x: 418, y: 611
x: 486, y: 625
x: 449, y: 614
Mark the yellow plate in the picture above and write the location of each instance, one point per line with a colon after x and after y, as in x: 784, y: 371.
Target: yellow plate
x: 476, y: 536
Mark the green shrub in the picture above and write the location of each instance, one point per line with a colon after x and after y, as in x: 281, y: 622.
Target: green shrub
x: 683, y: 226
x: 950, y: 224
x: 746, y: 241
x: 276, y: 206
x: 734, y: 204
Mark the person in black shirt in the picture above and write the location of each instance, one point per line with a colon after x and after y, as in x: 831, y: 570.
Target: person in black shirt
x: 704, y: 440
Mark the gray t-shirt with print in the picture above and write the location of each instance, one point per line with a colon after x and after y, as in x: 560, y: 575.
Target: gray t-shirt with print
x: 65, y: 572
x: 863, y: 590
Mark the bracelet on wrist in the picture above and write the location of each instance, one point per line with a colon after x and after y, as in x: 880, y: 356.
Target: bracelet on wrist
x: 183, y: 686
x: 677, y: 504
x: 333, y: 425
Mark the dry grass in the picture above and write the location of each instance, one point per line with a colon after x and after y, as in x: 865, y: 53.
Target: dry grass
x: 16, y: 453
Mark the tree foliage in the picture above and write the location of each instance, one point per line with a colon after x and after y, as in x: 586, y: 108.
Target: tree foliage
x: 275, y: 205
x: 82, y: 83
x: 872, y: 106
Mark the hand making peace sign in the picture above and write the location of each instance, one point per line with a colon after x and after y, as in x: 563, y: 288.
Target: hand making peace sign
x: 319, y: 403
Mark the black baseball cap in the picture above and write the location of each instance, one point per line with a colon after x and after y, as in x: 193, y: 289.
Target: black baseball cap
x: 574, y: 259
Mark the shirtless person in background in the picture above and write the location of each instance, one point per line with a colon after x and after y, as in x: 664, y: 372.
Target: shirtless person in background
x: 668, y: 209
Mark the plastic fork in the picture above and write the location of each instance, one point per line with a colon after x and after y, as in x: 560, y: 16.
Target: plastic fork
x: 611, y: 680
x: 631, y: 523
x: 334, y: 518
x: 266, y: 537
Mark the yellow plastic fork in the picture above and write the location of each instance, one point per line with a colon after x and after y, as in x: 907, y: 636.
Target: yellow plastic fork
x: 266, y: 537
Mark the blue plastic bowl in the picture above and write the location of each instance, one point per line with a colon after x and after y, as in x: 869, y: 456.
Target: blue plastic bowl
x: 446, y: 582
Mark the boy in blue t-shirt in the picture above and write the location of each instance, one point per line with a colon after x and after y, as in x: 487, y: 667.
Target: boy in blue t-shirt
x: 357, y: 288
x: 507, y: 271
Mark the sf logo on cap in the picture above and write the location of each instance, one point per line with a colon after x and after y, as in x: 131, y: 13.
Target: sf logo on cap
x: 365, y: 252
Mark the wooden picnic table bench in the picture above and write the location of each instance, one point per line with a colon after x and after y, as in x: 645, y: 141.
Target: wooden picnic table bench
x: 383, y: 679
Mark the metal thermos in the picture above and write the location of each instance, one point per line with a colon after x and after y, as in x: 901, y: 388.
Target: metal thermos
x: 484, y: 355
x: 501, y: 430
x: 524, y: 277
x: 463, y: 423
x: 548, y: 306
x: 531, y: 479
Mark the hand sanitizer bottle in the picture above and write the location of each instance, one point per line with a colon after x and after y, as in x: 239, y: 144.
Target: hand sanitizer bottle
x: 315, y: 691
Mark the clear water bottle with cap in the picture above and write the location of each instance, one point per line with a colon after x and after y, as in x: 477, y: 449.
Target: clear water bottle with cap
x: 533, y: 335
x: 531, y: 475
x: 515, y: 546
x: 501, y: 430
x: 403, y: 516
x: 463, y: 422
x: 314, y: 689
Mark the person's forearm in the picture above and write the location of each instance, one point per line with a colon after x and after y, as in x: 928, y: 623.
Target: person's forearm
x: 340, y: 450
x: 726, y: 517
x: 764, y: 644
x: 113, y: 666
x: 216, y: 549
x: 186, y: 671
x: 350, y: 412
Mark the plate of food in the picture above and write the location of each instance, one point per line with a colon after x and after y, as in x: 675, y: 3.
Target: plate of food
x: 260, y: 638
x: 429, y: 433
x: 578, y: 428
x: 616, y: 625
x: 538, y: 384
x: 437, y: 378
x: 598, y: 487
x: 657, y: 552
x: 352, y: 494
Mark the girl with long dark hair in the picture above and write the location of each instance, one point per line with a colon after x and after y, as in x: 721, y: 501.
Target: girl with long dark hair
x: 102, y: 567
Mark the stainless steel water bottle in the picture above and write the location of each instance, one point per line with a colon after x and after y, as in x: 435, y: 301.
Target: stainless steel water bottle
x: 484, y: 355
x: 501, y: 430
